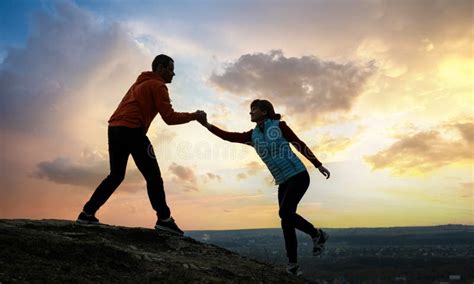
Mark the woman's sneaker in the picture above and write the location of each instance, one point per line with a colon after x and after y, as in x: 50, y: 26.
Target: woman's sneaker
x: 318, y: 242
x: 168, y: 225
x: 293, y: 269
x: 85, y: 218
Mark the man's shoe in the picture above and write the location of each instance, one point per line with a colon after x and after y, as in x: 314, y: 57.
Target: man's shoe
x: 85, y: 218
x: 293, y: 269
x: 318, y: 242
x: 168, y: 225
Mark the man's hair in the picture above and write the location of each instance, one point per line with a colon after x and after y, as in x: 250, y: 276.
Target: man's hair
x: 161, y: 60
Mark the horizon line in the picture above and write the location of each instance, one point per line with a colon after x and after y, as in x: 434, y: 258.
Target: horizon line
x: 250, y: 229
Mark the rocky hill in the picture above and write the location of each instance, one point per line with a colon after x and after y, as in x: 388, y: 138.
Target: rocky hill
x: 45, y: 251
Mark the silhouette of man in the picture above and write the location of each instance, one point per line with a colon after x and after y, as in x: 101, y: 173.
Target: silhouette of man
x: 127, y: 130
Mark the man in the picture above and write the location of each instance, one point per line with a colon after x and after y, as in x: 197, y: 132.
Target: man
x: 127, y: 130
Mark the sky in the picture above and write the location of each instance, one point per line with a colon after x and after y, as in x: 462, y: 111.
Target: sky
x: 381, y: 91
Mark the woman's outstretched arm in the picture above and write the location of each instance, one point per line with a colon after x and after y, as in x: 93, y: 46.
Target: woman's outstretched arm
x: 237, y: 137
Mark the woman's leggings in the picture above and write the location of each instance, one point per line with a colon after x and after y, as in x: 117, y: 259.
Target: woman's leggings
x: 289, y: 195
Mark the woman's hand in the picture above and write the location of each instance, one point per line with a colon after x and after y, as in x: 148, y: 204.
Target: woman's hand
x: 324, y: 171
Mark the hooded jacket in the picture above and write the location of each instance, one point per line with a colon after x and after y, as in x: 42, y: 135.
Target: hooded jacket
x: 147, y: 97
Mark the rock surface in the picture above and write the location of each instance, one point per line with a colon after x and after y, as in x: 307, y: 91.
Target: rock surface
x: 45, y: 251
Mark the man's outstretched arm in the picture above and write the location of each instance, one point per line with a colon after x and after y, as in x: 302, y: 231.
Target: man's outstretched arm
x: 171, y: 117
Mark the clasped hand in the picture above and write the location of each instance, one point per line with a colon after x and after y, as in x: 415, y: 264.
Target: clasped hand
x: 201, y: 117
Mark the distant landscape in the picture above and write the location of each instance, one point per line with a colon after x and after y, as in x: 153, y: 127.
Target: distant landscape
x: 365, y: 255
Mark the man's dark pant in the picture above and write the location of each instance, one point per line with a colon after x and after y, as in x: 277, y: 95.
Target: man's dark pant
x: 289, y: 195
x: 124, y: 141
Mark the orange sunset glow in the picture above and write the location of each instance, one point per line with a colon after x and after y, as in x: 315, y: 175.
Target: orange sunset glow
x: 381, y: 91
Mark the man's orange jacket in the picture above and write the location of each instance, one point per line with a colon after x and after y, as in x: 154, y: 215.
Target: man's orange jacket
x: 147, y: 97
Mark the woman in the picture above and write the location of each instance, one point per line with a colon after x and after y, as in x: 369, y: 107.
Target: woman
x: 270, y: 139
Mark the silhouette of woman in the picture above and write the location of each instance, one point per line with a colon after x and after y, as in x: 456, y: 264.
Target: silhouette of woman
x: 271, y: 138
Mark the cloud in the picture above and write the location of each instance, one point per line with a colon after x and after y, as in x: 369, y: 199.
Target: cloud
x: 211, y: 177
x: 467, y: 131
x: 43, y: 83
x: 63, y: 171
x: 307, y: 86
x: 330, y: 144
x: 379, y: 50
x: 182, y: 172
x: 58, y: 90
x: 184, y: 176
x: 241, y: 176
x: 252, y: 168
x: 221, y: 113
x: 425, y: 151
x: 88, y: 172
